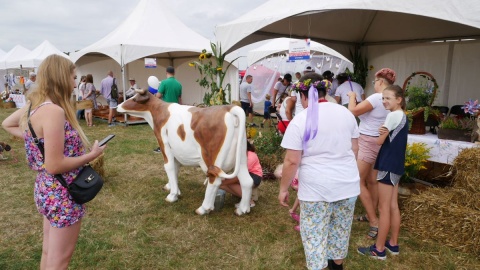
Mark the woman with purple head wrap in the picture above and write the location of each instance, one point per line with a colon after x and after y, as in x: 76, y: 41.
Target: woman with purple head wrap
x: 321, y: 142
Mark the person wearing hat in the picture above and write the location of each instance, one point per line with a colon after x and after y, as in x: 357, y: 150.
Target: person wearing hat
x: 330, y: 76
x: 170, y: 90
x: 30, y: 82
x: 280, y: 87
x: 131, y: 90
x: 308, y: 69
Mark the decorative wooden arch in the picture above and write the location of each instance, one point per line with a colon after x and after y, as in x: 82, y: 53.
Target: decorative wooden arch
x: 425, y: 75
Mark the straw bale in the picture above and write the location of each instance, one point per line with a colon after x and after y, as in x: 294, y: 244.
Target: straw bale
x: 435, y: 215
x: 98, y: 165
x: 467, y: 169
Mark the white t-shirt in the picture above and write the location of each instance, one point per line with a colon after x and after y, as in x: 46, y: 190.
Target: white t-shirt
x: 282, y: 110
x: 371, y: 121
x: 393, y: 120
x: 281, y: 89
x: 344, y: 89
x: 328, y: 172
x: 245, y: 88
x: 29, y: 84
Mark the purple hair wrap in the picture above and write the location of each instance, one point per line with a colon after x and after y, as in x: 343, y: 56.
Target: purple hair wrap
x: 311, y: 123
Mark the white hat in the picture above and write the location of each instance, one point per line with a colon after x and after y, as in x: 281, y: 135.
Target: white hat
x: 309, y: 68
x: 33, y: 74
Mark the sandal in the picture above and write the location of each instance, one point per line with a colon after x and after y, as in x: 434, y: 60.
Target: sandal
x: 362, y: 218
x: 372, y: 234
x: 295, y: 216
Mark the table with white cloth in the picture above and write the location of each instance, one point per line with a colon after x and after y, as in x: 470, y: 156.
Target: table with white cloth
x: 19, y: 100
x: 442, y: 151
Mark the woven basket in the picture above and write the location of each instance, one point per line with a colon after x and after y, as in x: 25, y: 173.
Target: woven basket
x: 8, y: 105
x: 418, y: 122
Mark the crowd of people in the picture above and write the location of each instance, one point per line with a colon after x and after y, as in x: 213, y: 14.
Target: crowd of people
x: 330, y: 158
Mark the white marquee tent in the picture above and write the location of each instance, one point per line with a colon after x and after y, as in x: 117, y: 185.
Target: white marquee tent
x: 273, y: 55
x: 16, y: 52
x: 281, y: 46
x: 35, y: 57
x: 396, y: 34
x: 2, y: 72
x: 153, y: 31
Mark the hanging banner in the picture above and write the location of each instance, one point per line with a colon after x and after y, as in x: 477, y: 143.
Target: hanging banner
x: 150, y: 62
x: 299, y: 49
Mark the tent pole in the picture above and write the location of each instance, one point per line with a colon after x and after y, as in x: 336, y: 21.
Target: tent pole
x: 448, y: 75
x: 122, y: 68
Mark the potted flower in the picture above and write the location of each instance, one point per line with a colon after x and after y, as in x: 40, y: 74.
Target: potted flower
x: 461, y: 129
x: 416, y: 155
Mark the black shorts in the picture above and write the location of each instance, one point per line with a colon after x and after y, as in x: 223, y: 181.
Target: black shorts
x: 266, y: 115
x: 246, y: 107
x: 256, y: 179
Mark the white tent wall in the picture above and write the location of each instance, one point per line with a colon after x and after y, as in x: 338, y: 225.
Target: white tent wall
x: 434, y: 59
x: 464, y: 72
x: 99, y: 65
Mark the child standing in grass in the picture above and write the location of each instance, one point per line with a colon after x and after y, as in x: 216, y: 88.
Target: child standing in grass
x: 390, y: 164
x: 266, y: 110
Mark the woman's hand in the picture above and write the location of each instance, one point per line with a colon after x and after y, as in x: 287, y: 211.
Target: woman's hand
x: 96, y: 150
x: 382, y: 130
x: 283, y: 198
x: 352, y: 94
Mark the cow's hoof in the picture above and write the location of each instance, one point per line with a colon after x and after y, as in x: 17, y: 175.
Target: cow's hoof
x: 239, y: 212
x: 201, y: 211
x: 171, y: 198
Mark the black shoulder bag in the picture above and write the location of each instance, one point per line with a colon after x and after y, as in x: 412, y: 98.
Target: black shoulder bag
x: 87, y: 183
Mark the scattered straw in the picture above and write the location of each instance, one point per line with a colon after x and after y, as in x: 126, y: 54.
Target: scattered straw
x: 446, y: 216
x: 98, y: 165
x: 467, y: 170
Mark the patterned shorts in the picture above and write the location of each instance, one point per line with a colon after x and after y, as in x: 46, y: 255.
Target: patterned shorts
x: 325, y: 230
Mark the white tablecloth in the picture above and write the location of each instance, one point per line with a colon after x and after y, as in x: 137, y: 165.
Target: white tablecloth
x: 19, y: 100
x: 443, y: 151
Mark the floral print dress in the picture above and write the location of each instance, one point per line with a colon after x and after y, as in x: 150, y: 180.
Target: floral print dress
x: 52, y: 199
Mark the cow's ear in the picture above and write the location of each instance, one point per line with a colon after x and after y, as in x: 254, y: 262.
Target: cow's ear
x: 142, y: 99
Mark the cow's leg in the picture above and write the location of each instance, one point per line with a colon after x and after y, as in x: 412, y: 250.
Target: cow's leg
x: 171, y: 168
x: 246, y: 182
x: 209, y: 200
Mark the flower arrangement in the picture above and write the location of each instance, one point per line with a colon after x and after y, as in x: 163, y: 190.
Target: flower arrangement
x: 5, y: 96
x: 212, y: 75
x: 305, y: 85
x: 472, y: 107
x: 415, y: 157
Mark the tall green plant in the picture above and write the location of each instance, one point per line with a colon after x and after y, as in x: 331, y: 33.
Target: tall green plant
x: 212, y: 75
x: 360, y: 67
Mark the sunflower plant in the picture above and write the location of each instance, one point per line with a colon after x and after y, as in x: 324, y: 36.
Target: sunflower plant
x: 416, y: 156
x: 212, y: 75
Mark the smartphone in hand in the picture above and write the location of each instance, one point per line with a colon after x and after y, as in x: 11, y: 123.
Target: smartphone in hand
x: 106, y: 139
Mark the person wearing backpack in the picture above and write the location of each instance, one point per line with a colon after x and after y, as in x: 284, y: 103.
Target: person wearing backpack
x: 109, y: 84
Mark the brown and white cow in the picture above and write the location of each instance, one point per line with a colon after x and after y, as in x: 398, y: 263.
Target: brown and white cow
x: 213, y: 138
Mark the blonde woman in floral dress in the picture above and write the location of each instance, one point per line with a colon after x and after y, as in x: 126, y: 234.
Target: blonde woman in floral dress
x: 53, y: 120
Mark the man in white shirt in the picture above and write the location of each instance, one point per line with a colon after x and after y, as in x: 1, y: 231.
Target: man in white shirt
x: 30, y: 82
x: 281, y: 87
x: 345, y: 86
x: 131, y: 90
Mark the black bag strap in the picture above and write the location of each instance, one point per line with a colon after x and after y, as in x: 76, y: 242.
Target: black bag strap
x: 42, y: 150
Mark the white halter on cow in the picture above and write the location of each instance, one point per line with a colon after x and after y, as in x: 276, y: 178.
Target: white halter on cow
x: 213, y: 138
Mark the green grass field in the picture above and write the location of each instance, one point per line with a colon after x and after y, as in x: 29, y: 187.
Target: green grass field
x: 129, y: 225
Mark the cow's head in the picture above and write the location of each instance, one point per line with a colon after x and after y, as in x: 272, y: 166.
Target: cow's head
x: 139, y: 105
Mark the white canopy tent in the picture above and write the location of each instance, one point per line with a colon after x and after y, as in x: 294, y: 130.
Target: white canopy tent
x: 273, y: 55
x: 153, y: 31
x: 15, y: 53
x: 396, y: 34
x: 35, y: 57
x: 281, y: 46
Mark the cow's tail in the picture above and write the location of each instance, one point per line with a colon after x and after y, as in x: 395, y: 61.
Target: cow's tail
x: 239, y: 124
